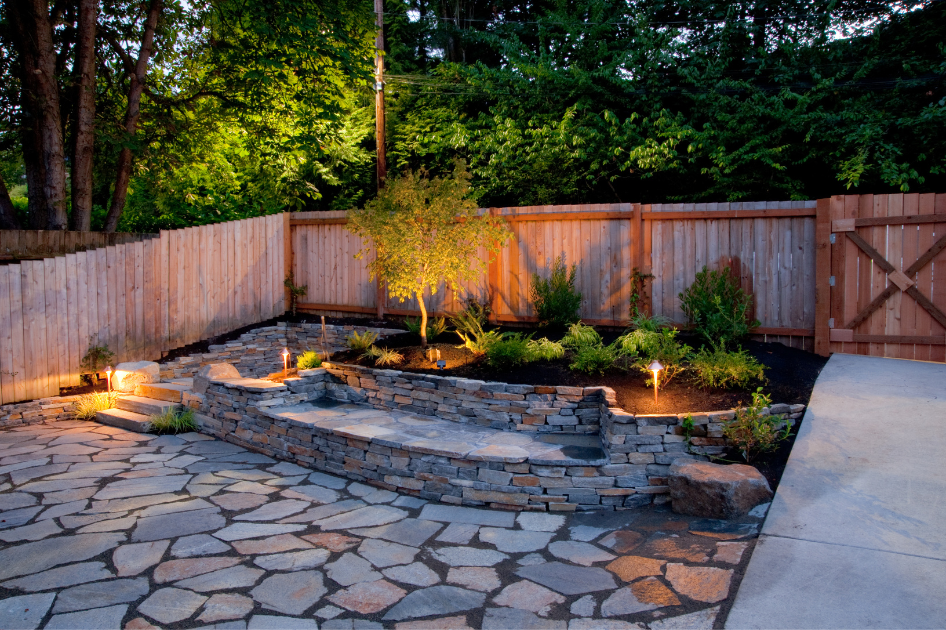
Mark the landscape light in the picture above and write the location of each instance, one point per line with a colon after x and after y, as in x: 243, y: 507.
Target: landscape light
x: 655, y: 367
x: 285, y: 361
x: 108, y: 377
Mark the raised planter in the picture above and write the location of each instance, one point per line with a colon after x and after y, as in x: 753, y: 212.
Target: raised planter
x: 636, y: 451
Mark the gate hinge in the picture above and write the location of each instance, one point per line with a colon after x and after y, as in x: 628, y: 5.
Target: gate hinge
x: 831, y: 323
x: 833, y: 238
x: 831, y: 281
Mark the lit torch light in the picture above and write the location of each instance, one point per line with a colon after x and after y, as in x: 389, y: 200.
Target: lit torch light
x: 655, y: 367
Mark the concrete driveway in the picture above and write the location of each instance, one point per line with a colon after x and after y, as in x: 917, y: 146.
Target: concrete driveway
x: 856, y: 535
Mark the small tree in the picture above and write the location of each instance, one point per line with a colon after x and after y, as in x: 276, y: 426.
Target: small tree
x: 425, y: 232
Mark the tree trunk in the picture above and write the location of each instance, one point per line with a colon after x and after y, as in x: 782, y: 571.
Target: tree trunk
x: 36, y: 215
x: 8, y: 219
x: 33, y: 38
x: 423, y: 319
x: 132, y: 114
x: 84, y: 126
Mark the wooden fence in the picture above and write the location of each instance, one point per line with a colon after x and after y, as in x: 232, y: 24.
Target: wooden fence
x: 864, y: 274
x: 770, y: 245
x: 16, y: 245
x: 139, y: 298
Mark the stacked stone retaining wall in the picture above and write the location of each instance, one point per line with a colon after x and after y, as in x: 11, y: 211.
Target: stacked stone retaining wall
x: 259, y: 352
x: 495, y: 405
x: 640, y: 448
x: 37, y: 411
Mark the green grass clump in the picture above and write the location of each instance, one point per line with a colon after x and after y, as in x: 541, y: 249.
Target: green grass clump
x: 718, y: 367
x: 361, y: 341
x: 753, y: 433
x: 171, y: 421
x: 383, y: 357
x: 87, y: 405
x: 435, y: 326
x: 579, y: 336
x: 308, y: 360
x: 509, y: 352
x: 545, y: 350
x: 594, y: 359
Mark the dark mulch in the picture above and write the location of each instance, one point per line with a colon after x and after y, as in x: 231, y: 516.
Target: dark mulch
x: 791, y: 374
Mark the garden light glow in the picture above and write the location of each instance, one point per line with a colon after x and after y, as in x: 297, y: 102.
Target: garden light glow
x: 108, y: 377
x: 285, y: 361
x: 655, y: 367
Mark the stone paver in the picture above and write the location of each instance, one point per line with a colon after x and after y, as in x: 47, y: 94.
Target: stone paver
x: 194, y: 532
x: 529, y: 596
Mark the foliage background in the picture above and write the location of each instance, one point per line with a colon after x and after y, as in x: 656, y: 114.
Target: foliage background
x: 256, y: 107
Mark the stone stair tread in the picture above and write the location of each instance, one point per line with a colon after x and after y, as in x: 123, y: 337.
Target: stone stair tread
x: 436, y: 436
x: 145, y: 406
x: 172, y: 392
x: 124, y: 419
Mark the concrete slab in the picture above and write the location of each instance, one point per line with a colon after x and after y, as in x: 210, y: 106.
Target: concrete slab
x: 864, y: 486
x: 802, y: 584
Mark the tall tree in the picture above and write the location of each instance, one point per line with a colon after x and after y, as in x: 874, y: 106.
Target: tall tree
x: 43, y: 149
x: 132, y: 113
x: 83, y: 131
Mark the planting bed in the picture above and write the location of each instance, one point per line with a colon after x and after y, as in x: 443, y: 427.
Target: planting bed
x: 791, y: 374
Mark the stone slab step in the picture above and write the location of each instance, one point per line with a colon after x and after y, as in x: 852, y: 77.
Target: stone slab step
x: 145, y: 406
x: 171, y: 392
x: 435, y: 436
x: 128, y: 420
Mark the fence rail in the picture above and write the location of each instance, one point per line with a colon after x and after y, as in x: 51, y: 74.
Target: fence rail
x: 139, y: 298
x: 16, y: 245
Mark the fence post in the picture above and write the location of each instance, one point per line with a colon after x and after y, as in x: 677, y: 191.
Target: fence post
x: 492, y: 276
x: 822, y: 274
x: 287, y: 259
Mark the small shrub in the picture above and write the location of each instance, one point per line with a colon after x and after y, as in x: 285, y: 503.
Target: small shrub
x: 95, y: 360
x: 753, y: 433
x: 87, y: 405
x: 717, y: 307
x: 172, y: 421
x: 469, y: 326
x: 361, y: 341
x: 649, y: 343
x: 579, y: 336
x: 594, y: 359
x: 383, y: 357
x: 718, y: 367
x: 555, y: 299
x: 642, y: 329
x: 295, y: 292
x: 308, y: 360
x: 435, y: 326
x: 509, y: 352
x: 545, y: 350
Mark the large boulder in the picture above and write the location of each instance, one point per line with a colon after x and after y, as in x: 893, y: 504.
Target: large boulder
x: 716, y: 491
x: 213, y: 372
x: 129, y: 375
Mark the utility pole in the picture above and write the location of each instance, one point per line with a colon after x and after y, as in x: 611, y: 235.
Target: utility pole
x: 379, y: 94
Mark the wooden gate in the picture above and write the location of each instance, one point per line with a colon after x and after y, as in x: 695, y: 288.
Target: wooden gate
x: 884, y: 264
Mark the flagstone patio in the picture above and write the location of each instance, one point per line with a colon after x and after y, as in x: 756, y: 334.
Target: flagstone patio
x: 104, y: 528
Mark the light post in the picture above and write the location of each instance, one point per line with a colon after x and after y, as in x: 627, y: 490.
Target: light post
x: 285, y: 362
x: 655, y: 367
x: 108, y: 377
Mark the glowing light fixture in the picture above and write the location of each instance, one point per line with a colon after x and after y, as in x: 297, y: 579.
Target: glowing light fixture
x: 285, y: 361
x: 655, y: 367
x: 108, y: 377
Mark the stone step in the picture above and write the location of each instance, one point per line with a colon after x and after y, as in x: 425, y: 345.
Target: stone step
x: 145, y: 406
x: 123, y: 419
x: 171, y: 392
